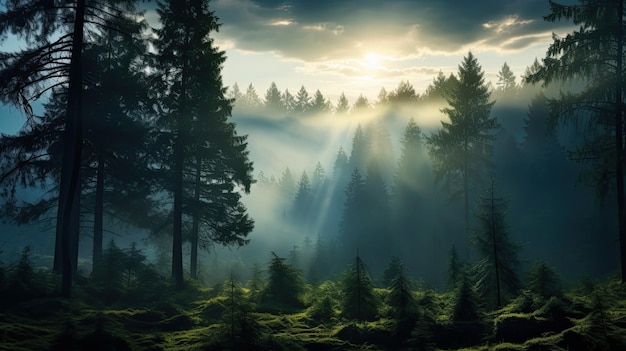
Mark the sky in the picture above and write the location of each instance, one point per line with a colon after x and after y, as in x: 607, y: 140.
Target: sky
x: 358, y: 47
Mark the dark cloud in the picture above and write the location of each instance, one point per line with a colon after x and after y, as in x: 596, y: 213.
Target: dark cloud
x: 319, y: 30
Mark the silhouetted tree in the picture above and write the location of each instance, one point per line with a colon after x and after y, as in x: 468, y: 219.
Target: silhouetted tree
x: 250, y: 99
x: 302, y: 201
x: 440, y: 87
x: 455, y: 267
x: 360, y: 147
x: 400, y: 297
x: 593, y: 53
x: 273, y: 99
x: 342, y: 104
x: 359, y: 301
x: 319, y: 103
x: 506, y: 79
x: 302, y: 101
x: 383, y: 97
x: 465, y: 305
x: 394, y: 267
x: 360, y: 104
x: 240, y: 327
x: 235, y: 94
x: 288, y: 102
x: 352, y: 225
x: 498, y: 269
x: 403, y: 93
x: 461, y: 150
x: 543, y: 280
x: 287, y: 184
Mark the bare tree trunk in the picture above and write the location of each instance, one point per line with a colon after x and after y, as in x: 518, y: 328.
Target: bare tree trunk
x: 195, y: 227
x: 72, y: 145
x: 619, y: 143
x: 98, y: 214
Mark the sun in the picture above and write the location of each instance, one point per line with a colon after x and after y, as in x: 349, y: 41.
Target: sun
x: 372, y: 60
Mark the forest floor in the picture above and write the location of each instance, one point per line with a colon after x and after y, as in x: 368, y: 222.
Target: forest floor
x: 583, y: 318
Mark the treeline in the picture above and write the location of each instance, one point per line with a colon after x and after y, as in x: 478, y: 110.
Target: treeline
x: 420, y: 203
x: 129, y: 136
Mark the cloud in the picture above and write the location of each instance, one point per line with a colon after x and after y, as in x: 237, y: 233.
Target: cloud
x: 320, y: 30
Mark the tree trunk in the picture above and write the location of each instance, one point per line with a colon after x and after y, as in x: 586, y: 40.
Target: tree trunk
x: 75, y: 227
x: 72, y: 145
x: 195, y: 228
x: 98, y: 214
x: 619, y: 130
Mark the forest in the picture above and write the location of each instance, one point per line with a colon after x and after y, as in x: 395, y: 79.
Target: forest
x: 148, y: 206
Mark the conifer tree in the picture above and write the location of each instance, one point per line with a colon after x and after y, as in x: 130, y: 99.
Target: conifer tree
x: 383, y: 97
x: 404, y: 93
x: 461, y: 150
x: 506, y: 79
x: 360, y: 104
x: 498, y: 269
x: 250, y: 99
x: 593, y: 53
x: 302, y: 101
x: 543, y: 280
x: 465, y: 307
x: 360, y: 147
x: 240, y: 328
x: 319, y: 103
x: 235, y: 94
x: 288, y: 102
x: 455, y: 268
x: 359, y: 301
x: 400, y: 297
x: 285, y: 284
x: 273, y: 102
x: 303, y: 200
x: 394, y: 267
x: 342, y: 104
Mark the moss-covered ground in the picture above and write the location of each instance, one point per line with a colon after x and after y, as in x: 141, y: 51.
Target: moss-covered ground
x: 198, y: 318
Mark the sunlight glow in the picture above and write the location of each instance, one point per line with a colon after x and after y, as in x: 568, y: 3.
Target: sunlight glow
x: 373, y: 60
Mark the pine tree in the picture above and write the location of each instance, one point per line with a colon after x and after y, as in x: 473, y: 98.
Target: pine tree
x: 497, y: 271
x: 359, y: 301
x: 543, y: 281
x: 352, y: 224
x: 455, y: 268
x: 273, y: 99
x: 360, y: 104
x: 465, y: 306
x: 461, y: 150
x: 383, y: 97
x: 250, y: 100
x: 342, y: 104
x: 235, y: 94
x: 288, y: 102
x: 319, y: 103
x: 394, y: 267
x: 54, y: 36
x: 240, y: 328
x: 400, y: 297
x: 303, y: 200
x: 285, y: 285
x: 302, y: 101
x: 594, y: 53
x: 404, y: 93
x: 506, y: 79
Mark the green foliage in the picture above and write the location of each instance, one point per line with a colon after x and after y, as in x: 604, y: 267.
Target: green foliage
x: 394, y: 268
x: 497, y: 277
x: 543, y: 281
x: 465, y: 306
x: 400, y: 297
x: 22, y: 281
x: 240, y: 329
x: 455, y: 267
x: 359, y: 301
x: 323, y: 309
x: 285, y: 285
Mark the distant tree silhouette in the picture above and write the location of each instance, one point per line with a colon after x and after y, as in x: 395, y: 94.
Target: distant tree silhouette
x: 440, y: 87
x: 250, y: 100
x: 352, y: 226
x: 394, y: 267
x: 343, y: 106
x: 359, y: 301
x: 593, y: 53
x: 288, y: 102
x: 498, y: 269
x: 543, y: 281
x: 461, y: 150
x: 273, y: 99
x: 403, y: 93
x: 383, y: 97
x: 506, y: 79
x: 235, y: 94
x: 455, y: 267
x: 400, y: 297
x: 360, y: 148
x: 319, y: 103
x: 303, y: 200
x: 302, y: 101
x: 287, y: 185
x: 360, y: 104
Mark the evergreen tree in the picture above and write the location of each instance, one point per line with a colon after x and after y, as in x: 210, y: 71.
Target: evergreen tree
x: 273, y: 99
x: 250, y: 99
x: 394, y: 267
x: 543, y: 281
x: 288, y: 102
x: 383, y: 97
x: 404, y: 93
x: 359, y: 301
x: 360, y: 147
x: 497, y: 271
x: 302, y: 101
x: 461, y: 150
x: 318, y: 179
x: 303, y: 200
x: 440, y: 87
x: 376, y: 219
x: 400, y: 297
x: 241, y: 330
x: 465, y: 307
x: 285, y: 285
x: 455, y: 267
x: 54, y: 36
x: 594, y: 53
x: 360, y: 104
x: 188, y: 85
x: 506, y: 79
x: 235, y: 94
x: 319, y: 103
x: 342, y: 104
x: 352, y: 225
x: 287, y: 185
